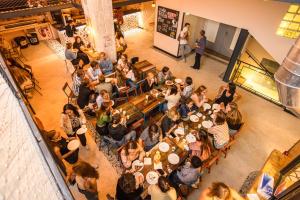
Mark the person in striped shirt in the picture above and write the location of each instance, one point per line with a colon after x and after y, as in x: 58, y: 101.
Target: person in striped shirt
x: 220, y: 130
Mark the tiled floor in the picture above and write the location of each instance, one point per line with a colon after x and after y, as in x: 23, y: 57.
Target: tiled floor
x: 266, y: 128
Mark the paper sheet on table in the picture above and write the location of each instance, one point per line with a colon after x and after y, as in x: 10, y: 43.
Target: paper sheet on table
x: 158, y: 165
x: 147, y: 161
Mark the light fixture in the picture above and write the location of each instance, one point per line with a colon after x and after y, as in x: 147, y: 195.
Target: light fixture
x: 290, y: 24
x: 153, y: 4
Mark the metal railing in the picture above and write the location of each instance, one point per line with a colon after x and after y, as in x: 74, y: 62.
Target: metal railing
x: 45, y: 151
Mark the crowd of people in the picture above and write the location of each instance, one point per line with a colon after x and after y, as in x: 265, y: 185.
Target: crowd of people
x: 97, y: 83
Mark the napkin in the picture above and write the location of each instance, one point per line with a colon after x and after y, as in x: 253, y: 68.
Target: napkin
x: 147, y: 161
x: 158, y: 165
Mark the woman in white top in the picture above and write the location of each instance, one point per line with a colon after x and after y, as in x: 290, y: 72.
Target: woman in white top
x: 122, y: 62
x: 162, y: 191
x: 173, y: 97
x: 199, y: 96
x: 220, y: 130
x: 72, y: 119
x: 86, y: 178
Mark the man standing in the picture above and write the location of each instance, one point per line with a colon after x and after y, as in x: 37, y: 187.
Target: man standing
x: 183, y: 41
x: 200, y: 47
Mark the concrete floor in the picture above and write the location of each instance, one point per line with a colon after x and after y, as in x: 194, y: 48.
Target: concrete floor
x: 266, y: 127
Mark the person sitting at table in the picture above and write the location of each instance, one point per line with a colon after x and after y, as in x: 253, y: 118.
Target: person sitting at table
x: 106, y: 64
x: 84, y: 94
x: 75, y: 56
x: 102, y: 97
x: 118, y: 131
x: 121, y: 45
x: 103, y: 118
x: 226, y: 94
x: 186, y: 108
x: 188, y: 87
x: 220, y: 130
x: 86, y: 177
x: 103, y: 85
x: 163, y: 190
x: 172, y: 97
x: 199, y: 96
x: 169, y: 122
x: 163, y: 75
x: 150, y: 82
x: 150, y: 137
x: 94, y: 71
x: 72, y: 119
x: 122, y: 62
x: 131, y: 152
x: 188, y: 174
x: 79, y: 45
x: 220, y: 191
x: 78, y: 78
x: 233, y: 117
x: 129, y: 76
x: 201, y: 148
x: 70, y: 28
x: 129, y: 188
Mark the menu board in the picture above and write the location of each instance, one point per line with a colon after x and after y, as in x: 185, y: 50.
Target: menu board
x: 167, y: 21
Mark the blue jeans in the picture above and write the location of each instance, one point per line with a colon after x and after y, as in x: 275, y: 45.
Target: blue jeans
x: 184, y: 49
x: 131, y: 84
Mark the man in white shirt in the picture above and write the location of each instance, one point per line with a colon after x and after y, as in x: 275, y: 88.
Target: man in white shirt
x: 94, y: 71
x: 183, y: 37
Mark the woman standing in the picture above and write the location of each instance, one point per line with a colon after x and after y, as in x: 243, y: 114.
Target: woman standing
x: 86, y: 178
x: 72, y: 119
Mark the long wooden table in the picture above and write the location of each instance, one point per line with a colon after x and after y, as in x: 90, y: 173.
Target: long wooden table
x: 146, y: 105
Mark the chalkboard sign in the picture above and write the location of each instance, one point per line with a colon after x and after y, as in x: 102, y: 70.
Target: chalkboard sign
x: 167, y: 21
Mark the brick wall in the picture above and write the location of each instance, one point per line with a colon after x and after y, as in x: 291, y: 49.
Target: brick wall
x: 24, y: 173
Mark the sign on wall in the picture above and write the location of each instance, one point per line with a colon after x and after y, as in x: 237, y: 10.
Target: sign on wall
x: 167, y: 21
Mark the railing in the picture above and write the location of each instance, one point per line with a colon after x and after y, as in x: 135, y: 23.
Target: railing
x: 258, y: 63
x: 46, y: 152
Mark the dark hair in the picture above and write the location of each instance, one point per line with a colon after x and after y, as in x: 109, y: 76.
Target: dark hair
x: 188, y: 100
x: 187, y: 24
x: 188, y: 80
x: 163, y: 184
x: 76, y: 37
x: 220, y: 118
x: 85, y: 170
x: 232, y: 88
x: 127, y: 183
x: 173, y: 90
x: 101, y: 79
x: 165, y: 69
x: 94, y: 64
x: 69, y: 45
x: 116, y: 118
x: 216, y: 191
x: 196, y: 162
x: 153, y: 128
x: 206, y: 145
x: 130, y: 145
x: 202, y: 32
x: 71, y: 107
x: 125, y: 55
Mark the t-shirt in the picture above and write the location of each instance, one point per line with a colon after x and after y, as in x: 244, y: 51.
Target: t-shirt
x: 183, y: 40
x: 93, y: 75
x: 118, y: 132
x: 187, y: 91
x: 156, y: 194
x: 172, y: 100
x: 220, y: 134
x: 146, y: 138
x: 188, y: 175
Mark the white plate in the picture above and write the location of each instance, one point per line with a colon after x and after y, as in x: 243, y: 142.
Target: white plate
x: 194, y: 118
x: 190, y: 138
x: 164, y: 147
x: 179, y: 131
x: 139, y: 164
x: 152, y: 177
x: 207, y: 124
x: 206, y: 106
x: 215, y: 106
x: 139, y: 176
x: 178, y: 80
x: 168, y: 82
x: 199, y: 114
x: 173, y: 158
x: 73, y: 144
x: 82, y: 130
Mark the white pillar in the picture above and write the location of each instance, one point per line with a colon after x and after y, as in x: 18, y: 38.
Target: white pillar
x: 99, y: 18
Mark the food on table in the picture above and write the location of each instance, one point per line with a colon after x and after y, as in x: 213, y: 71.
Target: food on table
x: 163, y: 147
x: 206, y: 106
x: 173, y: 158
x: 152, y: 177
x: 194, y: 118
x: 157, y: 157
x: 190, y: 138
x: 137, y: 165
x: 168, y: 82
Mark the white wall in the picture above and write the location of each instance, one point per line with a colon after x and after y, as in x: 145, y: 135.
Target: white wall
x: 23, y: 170
x: 260, y: 17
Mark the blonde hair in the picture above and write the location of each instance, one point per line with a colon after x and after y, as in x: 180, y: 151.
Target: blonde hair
x: 172, y: 114
x: 234, y: 116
